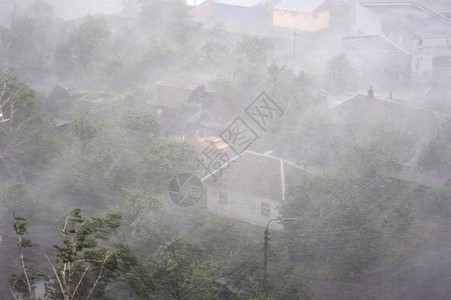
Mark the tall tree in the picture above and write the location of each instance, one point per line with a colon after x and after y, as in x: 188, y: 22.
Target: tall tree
x: 84, y: 263
x: 25, y: 132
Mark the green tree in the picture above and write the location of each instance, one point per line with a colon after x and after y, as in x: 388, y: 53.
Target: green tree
x: 436, y: 155
x: 26, y: 133
x: 85, y: 262
x: 161, y: 163
x: 86, y: 43
x: 254, y: 49
x: 183, y: 272
x: 340, y: 75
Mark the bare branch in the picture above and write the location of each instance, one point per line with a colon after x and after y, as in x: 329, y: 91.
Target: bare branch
x: 107, y: 256
x: 13, y: 97
x: 56, y: 275
x: 11, y: 288
x: 13, y: 294
x: 22, y: 257
x: 81, y: 279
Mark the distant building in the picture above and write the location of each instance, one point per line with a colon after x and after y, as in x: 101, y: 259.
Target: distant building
x: 378, y: 60
x: 306, y: 15
x: 200, y: 9
x: 421, y: 34
x: 176, y: 91
x: 415, y: 125
x: 251, y: 186
x: 241, y: 10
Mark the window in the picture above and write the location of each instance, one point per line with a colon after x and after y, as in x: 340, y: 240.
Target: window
x: 266, y: 209
x: 223, y: 199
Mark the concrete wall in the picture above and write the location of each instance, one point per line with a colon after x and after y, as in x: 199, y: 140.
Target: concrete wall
x: 382, y: 69
x: 305, y: 22
x: 366, y: 22
x: 241, y: 206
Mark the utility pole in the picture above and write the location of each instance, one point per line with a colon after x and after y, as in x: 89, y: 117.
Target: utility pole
x: 266, y: 248
x: 294, y: 50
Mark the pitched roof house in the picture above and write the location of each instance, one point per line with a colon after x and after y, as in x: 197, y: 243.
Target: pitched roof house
x: 417, y: 126
x: 305, y: 15
x: 200, y: 9
x: 175, y: 91
x: 251, y: 186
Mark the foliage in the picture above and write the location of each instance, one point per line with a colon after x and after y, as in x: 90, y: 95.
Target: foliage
x: 254, y: 49
x: 85, y: 262
x: 183, y: 272
x: 438, y: 201
x: 340, y: 75
x: 343, y: 217
x: 25, y: 45
x: 144, y: 124
x: 161, y: 163
x: 26, y: 133
x: 436, y: 156
x: 84, y: 44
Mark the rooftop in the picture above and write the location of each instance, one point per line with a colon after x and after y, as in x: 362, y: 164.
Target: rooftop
x: 410, y: 121
x: 371, y: 45
x: 303, y: 6
x: 411, y: 18
x: 174, y: 91
x: 258, y: 174
x: 242, y: 3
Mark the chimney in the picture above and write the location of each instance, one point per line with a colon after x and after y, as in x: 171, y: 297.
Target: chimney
x: 370, y: 93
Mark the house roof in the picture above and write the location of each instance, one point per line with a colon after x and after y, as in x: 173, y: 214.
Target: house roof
x: 242, y: 3
x: 175, y: 121
x: 174, y: 91
x: 415, y: 123
x: 372, y: 45
x: 411, y: 18
x: 257, y: 174
x: 303, y: 6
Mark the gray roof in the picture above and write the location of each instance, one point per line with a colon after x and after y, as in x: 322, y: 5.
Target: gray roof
x: 174, y: 91
x: 412, y: 18
x: 303, y: 6
x: 257, y: 174
x: 372, y: 45
x: 242, y: 3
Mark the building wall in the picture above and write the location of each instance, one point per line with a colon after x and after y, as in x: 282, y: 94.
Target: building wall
x: 202, y: 12
x: 383, y: 69
x: 366, y: 22
x: 305, y: 22
x: 425, y: 52
x: 422, y: 50
x: 241, y: 206
x: 401, y: 39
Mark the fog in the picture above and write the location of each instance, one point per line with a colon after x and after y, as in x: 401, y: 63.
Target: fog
x: 223, y: 149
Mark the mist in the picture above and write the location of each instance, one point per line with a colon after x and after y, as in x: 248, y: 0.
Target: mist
x: 224, y: 149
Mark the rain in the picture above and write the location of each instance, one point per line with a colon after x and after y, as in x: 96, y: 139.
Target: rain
x: 225, y: 149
